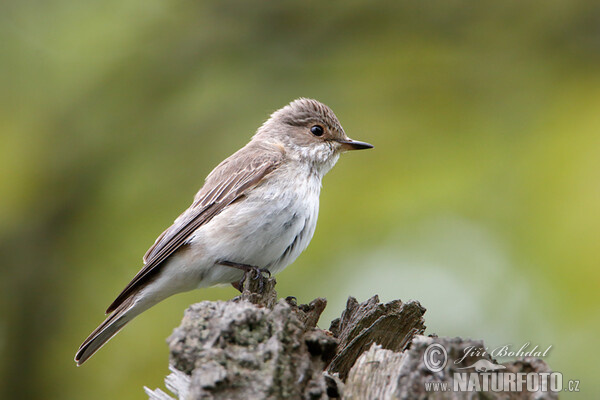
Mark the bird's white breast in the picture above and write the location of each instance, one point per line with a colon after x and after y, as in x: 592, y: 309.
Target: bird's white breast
x: 269, y: 228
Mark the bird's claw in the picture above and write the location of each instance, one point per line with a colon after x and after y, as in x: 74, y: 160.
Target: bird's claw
x: 259, y: 275
x: 255, y: 274
x: 260, y: 271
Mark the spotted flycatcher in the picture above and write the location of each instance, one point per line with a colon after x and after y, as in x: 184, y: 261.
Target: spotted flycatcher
x: 256, y: 212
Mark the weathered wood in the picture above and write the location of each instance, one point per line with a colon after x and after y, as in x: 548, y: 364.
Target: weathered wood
x: 384, y: 374
x: 257, y: 347
x: 177, y: 382
x: 251, y: 347
x: 391, y: 325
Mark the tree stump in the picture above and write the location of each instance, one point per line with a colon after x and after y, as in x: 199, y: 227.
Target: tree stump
x: 257, y: 347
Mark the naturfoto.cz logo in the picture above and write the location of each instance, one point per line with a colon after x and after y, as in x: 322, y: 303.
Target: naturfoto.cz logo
x: 486, y: 376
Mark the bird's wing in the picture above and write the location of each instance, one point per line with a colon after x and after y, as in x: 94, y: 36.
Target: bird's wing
x: 227, y: 183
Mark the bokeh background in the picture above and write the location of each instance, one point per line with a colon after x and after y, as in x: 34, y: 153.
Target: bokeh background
x: 481, y: 198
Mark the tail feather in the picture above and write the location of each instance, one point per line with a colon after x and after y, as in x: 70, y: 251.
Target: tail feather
x: 106, y: 330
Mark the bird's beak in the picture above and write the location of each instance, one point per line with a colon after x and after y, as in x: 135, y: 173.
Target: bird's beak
x: 349, y: 144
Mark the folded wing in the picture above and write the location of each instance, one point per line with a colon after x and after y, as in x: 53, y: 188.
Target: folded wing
x: 227, y: 183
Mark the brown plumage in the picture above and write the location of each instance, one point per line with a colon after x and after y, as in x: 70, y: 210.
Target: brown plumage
x: 257, y: 191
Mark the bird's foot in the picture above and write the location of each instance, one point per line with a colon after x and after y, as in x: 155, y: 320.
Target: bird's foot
x: 251, y: 272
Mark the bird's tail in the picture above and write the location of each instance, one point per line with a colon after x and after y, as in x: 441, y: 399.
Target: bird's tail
x: 107, y: 329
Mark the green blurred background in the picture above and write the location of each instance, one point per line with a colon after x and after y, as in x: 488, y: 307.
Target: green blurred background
x: 481, y: 197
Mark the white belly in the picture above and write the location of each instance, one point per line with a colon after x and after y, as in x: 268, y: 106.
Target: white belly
x: 268, y: 229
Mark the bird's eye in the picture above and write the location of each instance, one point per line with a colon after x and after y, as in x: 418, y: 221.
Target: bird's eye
x: 317, y: 130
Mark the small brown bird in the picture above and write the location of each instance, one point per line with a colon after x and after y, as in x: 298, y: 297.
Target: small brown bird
x: 256, y: 212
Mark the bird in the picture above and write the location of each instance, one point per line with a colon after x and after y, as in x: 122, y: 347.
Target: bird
x: 256, y: 212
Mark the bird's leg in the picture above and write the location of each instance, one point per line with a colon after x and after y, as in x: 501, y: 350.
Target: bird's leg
x: 248, y: 269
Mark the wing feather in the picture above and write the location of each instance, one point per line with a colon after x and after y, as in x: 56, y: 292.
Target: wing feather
x: 225, y: 184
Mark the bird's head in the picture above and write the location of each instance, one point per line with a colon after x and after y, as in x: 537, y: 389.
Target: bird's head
x: 309, y: 130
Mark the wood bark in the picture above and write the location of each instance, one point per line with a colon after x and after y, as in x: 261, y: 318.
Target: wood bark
x: 258, y: 347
